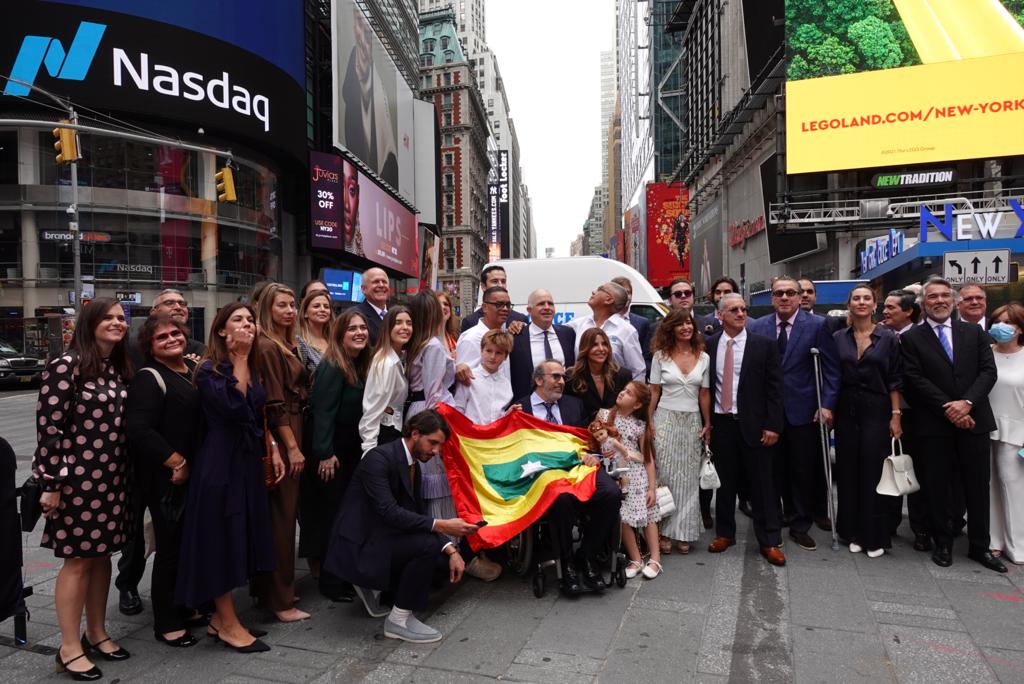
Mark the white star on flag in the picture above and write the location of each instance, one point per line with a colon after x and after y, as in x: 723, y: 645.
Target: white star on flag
x: 531, y: 467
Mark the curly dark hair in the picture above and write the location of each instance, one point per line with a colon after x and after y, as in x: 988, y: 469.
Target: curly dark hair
x: 665, y: 335
x: 145, y: 337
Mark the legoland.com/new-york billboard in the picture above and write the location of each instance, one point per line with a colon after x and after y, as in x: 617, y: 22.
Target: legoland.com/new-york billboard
x: 896, y: 82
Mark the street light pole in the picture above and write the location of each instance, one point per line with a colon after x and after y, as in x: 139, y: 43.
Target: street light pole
x: 76, y: 236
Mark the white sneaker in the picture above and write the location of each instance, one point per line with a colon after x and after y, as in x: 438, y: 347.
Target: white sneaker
x: 875, y: 553
x: 855, y: 548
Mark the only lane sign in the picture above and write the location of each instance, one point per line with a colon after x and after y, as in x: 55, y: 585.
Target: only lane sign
x: 982, y: 267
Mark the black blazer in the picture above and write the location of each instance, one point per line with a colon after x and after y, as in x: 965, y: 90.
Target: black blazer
x: 472, y: 319
x: 373, y: 320
x: 378, y: 513
x: 644, y: 329
x: 930, y: 380
x: 592, y: 403
x: 521, y: 363
x: 708, y: 325
x: 759, y: 395
x: 570, y: 408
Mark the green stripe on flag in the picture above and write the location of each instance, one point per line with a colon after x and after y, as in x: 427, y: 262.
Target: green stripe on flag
x: 515, y: 478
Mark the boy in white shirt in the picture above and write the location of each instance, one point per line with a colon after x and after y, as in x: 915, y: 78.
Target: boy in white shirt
x: 484, y: 399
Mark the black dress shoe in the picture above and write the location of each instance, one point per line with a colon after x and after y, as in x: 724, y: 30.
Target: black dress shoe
x: 707, y: 521
x: 922, y: 542
x: 186, y: 640
x: 823, y: 523
x: 803, y: 540
x: 591, y: 578
x: 570, y: 584
x: 745, y: 509
x: 942, y: 556
x: 987, y: 559
x: 90, y: 675
x: 114, y: 656
x: 130, y: 603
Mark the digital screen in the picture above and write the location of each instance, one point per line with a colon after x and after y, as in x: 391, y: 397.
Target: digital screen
x: 903, y: 82
x: 339, y: 284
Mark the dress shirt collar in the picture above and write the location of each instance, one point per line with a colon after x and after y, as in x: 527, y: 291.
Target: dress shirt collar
x: 537, y: 401
x: 935, y: 324
x: 739, y: 339
x: 380, y: 312
x: 789, y: 321
x: 537, y: 331
x: 905, y: 328
x: 405, y: 447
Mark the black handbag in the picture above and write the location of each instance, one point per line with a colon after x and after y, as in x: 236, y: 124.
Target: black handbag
x: 31, y: 509
x: 172, y: 503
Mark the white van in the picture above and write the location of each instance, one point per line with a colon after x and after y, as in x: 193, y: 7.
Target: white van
x: 571, y: 280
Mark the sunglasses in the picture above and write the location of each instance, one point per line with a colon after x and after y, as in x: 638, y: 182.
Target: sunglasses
x: 556, y: 376
x: 736, y: 309
x: 500, y: 305
x: 784, y: 293
x: 682, y: 294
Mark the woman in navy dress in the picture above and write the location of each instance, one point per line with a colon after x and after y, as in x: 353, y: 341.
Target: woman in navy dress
x: 226, y: 537
x: 867, y: 415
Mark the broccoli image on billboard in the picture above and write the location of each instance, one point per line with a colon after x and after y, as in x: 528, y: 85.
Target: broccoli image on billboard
x: 881, y: 82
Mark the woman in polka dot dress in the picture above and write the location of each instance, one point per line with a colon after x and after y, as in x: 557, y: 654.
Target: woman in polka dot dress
x: 80, y: 462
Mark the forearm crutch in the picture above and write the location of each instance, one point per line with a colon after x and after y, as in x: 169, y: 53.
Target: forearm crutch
x: 823, y: 432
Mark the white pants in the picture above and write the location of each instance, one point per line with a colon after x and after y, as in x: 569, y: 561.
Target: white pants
x: 1006, y: 519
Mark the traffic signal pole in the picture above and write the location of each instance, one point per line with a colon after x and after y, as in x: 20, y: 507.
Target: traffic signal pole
x: 76, y: 238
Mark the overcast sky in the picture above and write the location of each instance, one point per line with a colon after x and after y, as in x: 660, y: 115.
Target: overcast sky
x: 549, y: 53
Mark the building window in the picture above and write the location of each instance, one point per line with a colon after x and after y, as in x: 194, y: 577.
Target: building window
x: 444, y: 42
x: 447, y: 119
x: 426, y: 60
x: 449, y: 159
x: 449, y: 220
x: 449, y: 56
x: 449, y: 200
x: 449, y: 180
x: 448, y: 78
x: 449, y: 139
x: 429, y: 44
x: 446, y: 99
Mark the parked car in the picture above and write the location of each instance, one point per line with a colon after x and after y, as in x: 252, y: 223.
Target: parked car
x: 18, y: 369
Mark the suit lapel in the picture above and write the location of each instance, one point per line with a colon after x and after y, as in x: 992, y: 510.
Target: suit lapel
x: 403, y: 468
x: 959, y: 334
x: 712, y: 351
x: 795, y: 332
x: 937, y: 346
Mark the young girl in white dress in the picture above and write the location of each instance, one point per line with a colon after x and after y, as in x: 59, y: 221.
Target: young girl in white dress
x: 635, y: 449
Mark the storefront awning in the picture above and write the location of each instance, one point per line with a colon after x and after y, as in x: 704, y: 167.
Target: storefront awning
x: 829, y: 292
x: 935, y: 250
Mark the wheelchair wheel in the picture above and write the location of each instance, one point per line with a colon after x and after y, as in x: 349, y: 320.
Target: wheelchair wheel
x: 620, y: 571
x: 539, y: 584
x: 520, y: 552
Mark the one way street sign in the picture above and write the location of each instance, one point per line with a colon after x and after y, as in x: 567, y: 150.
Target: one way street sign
x: 984, y: 267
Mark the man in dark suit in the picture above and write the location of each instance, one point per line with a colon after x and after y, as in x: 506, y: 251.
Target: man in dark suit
x: 949, y: 371
x: 374, y: 306
x: 710, y: 324
x: 383, y: 540
x: 494, y: 276
x: 644, y: 328
x: 540, y: 341
x: 746, y: 383
x: 549, y: 402
x: 798, y: 475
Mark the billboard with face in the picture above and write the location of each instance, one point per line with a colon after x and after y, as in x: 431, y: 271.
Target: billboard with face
x: 373, y: 105
x: 668, y: 233
x: 895, y: 82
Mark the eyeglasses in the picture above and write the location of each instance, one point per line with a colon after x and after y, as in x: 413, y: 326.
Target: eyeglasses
x: 682, y: 294
x: 174, y: 302
x: 974, y: 298
x: 500, y: 305
x: 555, y: 376
x: 807, y: 291
x: 736, y: 309
x: 784, y: 293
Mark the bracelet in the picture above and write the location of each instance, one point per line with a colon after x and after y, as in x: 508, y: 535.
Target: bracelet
x: 179, y: 466
x: 897, y: 412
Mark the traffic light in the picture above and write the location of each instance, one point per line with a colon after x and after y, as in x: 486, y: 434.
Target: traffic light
x: 225, y: 185
x: 66, y: 144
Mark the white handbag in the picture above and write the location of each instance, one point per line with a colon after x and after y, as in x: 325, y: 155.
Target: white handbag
x: 665, y: 503
x: 708, y: 475
x: 898, y: 476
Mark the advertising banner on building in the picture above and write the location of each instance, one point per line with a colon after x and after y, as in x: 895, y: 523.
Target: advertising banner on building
x: 429, y: 254
x: 373, y: 105
x: 325, y: 196
x: 905, y: 82
x: 706, y: 251
x: 493, y: 223
x: 503, y: 205
x: 228, y: 73
x: 668, y: 233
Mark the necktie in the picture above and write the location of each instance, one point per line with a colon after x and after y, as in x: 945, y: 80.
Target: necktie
x: 548, y: 355
x: 944, y: 341
x: 412, y: 476
x: 728, y: 368
x: 383, y: 312
x: 550, y: 417
x: 783, y: 338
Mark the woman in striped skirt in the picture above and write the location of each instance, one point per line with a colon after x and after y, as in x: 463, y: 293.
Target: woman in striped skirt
x: 681, y: 409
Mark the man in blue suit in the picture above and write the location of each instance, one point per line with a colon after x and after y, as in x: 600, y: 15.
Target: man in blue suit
x: 644, y: 328
x: 540, y: 341
x: 796, y: 332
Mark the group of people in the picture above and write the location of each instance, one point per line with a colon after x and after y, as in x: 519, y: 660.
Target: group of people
x: 294, y: 419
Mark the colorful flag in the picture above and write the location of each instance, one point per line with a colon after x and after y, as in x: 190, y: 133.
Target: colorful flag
x: 510, y: 471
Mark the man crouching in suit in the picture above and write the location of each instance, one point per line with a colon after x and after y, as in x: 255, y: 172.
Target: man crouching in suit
x: 549, y: 403
x: 746, y: 383
x: 382, y: 538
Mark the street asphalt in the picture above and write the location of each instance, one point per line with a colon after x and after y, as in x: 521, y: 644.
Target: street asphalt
x: 826, y: 617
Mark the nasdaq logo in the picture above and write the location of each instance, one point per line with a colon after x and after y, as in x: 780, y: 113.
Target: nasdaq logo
x: 37, y: 51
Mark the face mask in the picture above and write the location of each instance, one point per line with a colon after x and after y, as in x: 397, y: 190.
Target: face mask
x: 1003, y: 332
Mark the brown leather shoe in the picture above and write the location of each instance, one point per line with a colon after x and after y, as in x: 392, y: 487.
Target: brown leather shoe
x: 773, y: 555
x: 720, y: 544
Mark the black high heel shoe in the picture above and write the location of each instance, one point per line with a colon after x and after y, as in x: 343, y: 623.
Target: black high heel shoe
x: 184, y: 641
x: 90, y: 675
x: 215, y: 634
x: 256, y: 646
x: 114, y: 656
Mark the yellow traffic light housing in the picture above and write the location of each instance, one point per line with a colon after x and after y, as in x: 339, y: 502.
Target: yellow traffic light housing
x: 225, y: 180
x: 66, y: 145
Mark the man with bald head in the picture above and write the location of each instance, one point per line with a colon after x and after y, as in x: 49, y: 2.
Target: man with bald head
x: 540, y: 341
x: 606, y: 301
x: 374, y: 306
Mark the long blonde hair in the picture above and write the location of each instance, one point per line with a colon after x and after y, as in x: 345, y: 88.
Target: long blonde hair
x: 265, y: 316
x: 307, y: 301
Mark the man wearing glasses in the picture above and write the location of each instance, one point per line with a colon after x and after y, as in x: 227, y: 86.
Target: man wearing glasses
x: 495, y: 310
x: 549, y: 402
x: 971, y: 302
x: 680, y: 294
x: 605, y: 302
x: 132, y: 564
x: 712, y: 323
x: 796, y: 332
x: 492, y: 276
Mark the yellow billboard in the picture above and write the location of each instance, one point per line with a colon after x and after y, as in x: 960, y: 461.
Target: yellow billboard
x: 895, y: 82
